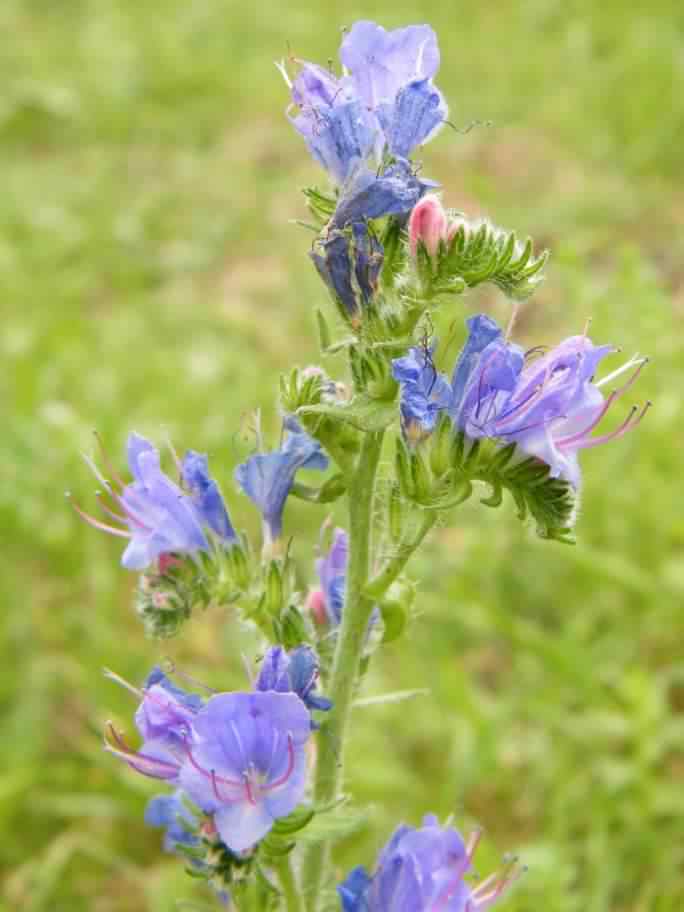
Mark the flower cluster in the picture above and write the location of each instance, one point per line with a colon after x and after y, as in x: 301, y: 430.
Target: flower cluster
x: 547, y: 403
x: 363, y: 126
x: 239, y: 766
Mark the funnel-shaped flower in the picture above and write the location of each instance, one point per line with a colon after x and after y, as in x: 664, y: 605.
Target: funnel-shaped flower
x: 293, y: 672
x: 425, y: 393
x: 248, y: 764
x: 423, y: 870
x: 206, y: 496
x: 266, y: 478
x: 156, y: 516
x: 548, y: 407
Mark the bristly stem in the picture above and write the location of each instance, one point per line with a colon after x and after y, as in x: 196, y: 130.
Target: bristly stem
x: 350, y: 642
x: 380, y: 583
x: 288, y: 885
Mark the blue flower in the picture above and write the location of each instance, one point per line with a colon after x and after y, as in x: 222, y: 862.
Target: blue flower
x: 425, y: 393
x: 206, y: 496
x: 386, y: 102
x: 170, y: 812
x: 422, y: 870
x: 332, y: 574
x: 247, y: 764
x: 548, y: 407
x: 293, y: 672
x: 156, y: 516
x: 266, y: 478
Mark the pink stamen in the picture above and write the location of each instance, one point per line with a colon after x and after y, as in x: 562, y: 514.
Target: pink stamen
x: 288, y: 772
x: 568, y: 441
x: 110, y: 468
x: 105, y: 509
x: 131, y: 514
x: 104, y: 527
x: 248, y: 789
x: 628, y: 424
x: 211, y: 775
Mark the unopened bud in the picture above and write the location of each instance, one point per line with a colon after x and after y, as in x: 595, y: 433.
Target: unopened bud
x: 428, y: 224
x: 315, y: 603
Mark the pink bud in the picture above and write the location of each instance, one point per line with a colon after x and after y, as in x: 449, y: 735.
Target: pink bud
x: 427, y: 223
x: 453, y: 227
x: 316, y: 605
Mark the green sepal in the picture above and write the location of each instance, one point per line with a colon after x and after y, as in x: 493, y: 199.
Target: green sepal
x: 324, y: 336
x: 294, y: 822
x: 329, y: 491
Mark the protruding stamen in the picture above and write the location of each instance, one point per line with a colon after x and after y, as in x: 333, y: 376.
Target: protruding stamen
x: 568, y: 441
x: 108, y: 464
x: 96, y: 523
x: 290, y: 767
x: 636, y: 360
x: 210, y: 775
x: 628, y: 424
x: 249, y: 790
x: 113, y: 676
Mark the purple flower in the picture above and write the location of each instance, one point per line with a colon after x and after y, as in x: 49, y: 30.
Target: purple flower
x: 293, y: 672
x: 156, y: 516
x: 386, y: 102
x: 548, y: 407
x: 425, y: 393
x: 206, y: 496
x: 423, y: 870
x: 164, y: 720
x: 332, y: 573
x: 247, y: 766
x: 266, y: 478
x: 169, y: 812
x: 381, y: 63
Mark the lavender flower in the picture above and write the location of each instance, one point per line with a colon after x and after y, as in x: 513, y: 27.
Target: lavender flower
x: 423, y: 870
x: 293, y: 672
x: 266, y: 478
x: 248, y: 764
x: 387, y: 104
x: 425, y: 393
x: 156, y: 515
x: 548, y: 407
x: 164, y: 719
x: 206, y: 496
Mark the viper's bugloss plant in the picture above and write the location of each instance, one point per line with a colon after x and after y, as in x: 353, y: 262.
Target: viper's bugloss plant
x: 254, y: 779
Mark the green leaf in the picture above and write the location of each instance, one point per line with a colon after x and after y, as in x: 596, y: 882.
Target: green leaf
x: 362, y: 412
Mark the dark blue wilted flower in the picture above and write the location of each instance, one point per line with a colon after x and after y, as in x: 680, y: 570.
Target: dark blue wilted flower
x: 266, y: 478
x: 156, y: 516
x: 292, y: 672
x: 423, y: 870
x: 350, y: 262
x: 425, y: 392
x: 206, y: 496
x: 548, y: 406
x: 369, y: 194
x: 247, y: 764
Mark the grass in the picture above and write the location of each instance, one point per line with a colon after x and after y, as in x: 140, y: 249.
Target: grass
x: 150, y: 279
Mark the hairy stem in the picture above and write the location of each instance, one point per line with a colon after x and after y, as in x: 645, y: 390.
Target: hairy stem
x: 381, y: 582
x: 350, y: 640
x: 288, y: 885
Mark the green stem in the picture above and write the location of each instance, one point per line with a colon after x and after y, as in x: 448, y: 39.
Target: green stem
x: 381, y: 582
x: 350, y: 642
x: 288, y: 885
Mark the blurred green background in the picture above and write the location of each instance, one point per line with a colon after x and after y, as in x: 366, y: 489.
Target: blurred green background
x: 150, y: 280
